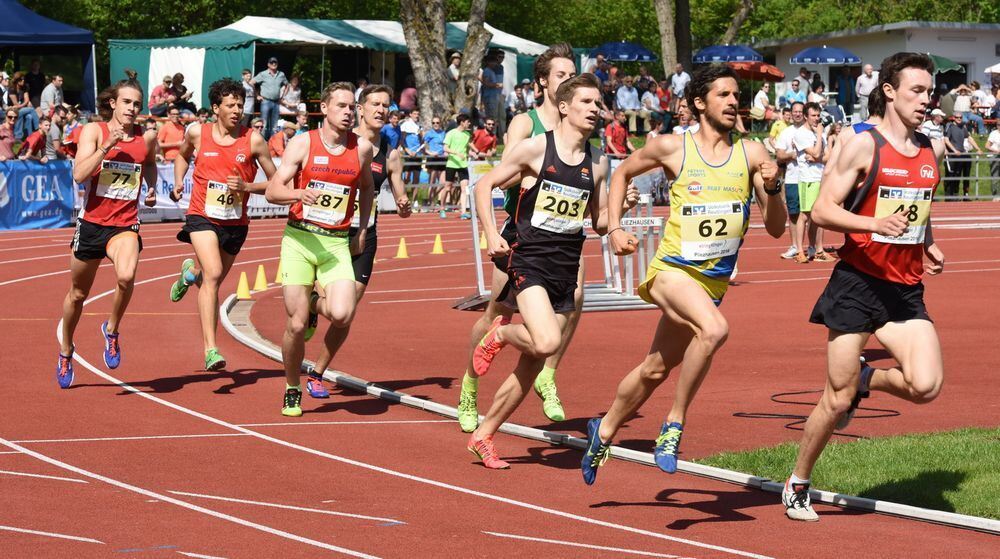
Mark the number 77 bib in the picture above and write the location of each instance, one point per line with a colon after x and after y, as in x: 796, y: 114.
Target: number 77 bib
x: 914, y: 202
x: 119, y: 180
x: 711, y: 230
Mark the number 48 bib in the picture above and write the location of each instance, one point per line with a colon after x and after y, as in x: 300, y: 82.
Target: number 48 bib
x: 119, y: 180
x: 222, y: 203
x: 711, y: 230
x: 560, y: 208
x: 331, y: 206
x: 914, y: 202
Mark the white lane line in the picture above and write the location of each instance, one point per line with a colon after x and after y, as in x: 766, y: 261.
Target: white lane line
x: 412, y: 300
x: 136, y: 438
x: 65, y: 253
x: 583, y: 545
x: 10, y: 452
x: 198, y: 555
x: 50, y: 534
x: 184, y: 504
x: 288, y: 507
x: 307, y: 423
x: 57, y: 478
x: 364, y: 465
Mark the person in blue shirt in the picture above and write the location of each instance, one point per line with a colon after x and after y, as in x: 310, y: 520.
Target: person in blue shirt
x: 434, y: 148
x: 391, y: 130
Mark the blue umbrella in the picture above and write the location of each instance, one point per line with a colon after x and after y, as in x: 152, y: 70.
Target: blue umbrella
x: 624, y: 52
x: 825, y: 55
x: 727, y: 53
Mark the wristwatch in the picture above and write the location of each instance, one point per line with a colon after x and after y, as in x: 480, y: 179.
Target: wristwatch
x: 777, y: 188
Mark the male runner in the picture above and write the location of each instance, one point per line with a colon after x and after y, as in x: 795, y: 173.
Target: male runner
x: 710, y: 209
x: 373, y: 109
x: 879, y: 195
x: 217, y: 221
x: 552, y: 68
x: 331, y: 168
x: 562, y: 182
x: 114, y: 158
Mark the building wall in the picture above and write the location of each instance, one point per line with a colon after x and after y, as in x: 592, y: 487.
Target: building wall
x: 978, y: 49
x: 871, y: 48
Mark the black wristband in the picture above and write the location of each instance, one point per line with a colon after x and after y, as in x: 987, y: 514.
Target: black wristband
x: 775, y: 192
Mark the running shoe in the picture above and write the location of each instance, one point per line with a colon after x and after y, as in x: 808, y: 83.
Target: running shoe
x: 486, y: 452
x: 214, y: 361
x: 112, y: 350
x: 597, y: 453
x: 551, y: 405
x: 797, y: 503
x: 443, y: 214
x: 468, y: 414
x: 824, y: 257
x: 667, y: 445
x: 293, y: 402
x: 64, y: 370
x: 465, y: 215
x: 180, y: 287
x: 863, y: 379
x: 790, y: 253
x: 488, y: 347
x: 315, y: 385
x: 811, y: 252
x: 313, y: 315
x: 801, y: 259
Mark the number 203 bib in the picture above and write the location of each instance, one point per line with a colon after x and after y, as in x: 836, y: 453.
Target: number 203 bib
x: 559, y: 208
x: 914, y: 202
x: 711, y: 230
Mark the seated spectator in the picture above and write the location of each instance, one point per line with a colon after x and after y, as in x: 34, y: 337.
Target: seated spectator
x: 257, y: 124
x: 515, y: 102
x: 484, y: 140
x: 391, y: 131
x: 651, y: 104
x: 27, y: 116
x: 796, y: 94
x: 963, y: 104
x: 34, y: 145
x: 933, y: 127
x: 72, y: 131
x: 818, y: 94
x: 7, y: 135
x: 302, y: 120
x: 291, y: 96
x: 182, y: 96
x: 161, y: 98
x: 285, y: 131
x: 171, y: 134
x: 616, y: 139
x: 628, y: 102
x: 54, y: 138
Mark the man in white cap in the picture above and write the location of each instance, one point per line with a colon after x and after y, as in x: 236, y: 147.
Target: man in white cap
x: 933, y: 127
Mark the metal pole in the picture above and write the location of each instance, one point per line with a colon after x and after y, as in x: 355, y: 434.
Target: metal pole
x: 383, y: 66
x: 93, y: 57
x: 322, y: 69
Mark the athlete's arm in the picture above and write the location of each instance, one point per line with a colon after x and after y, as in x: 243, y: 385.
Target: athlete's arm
x: 258, y: 147
x: 765, y: 177
x: 846, y: 134
x: 654, y: 154
x: 599, y: 201
x: 279, y: 189
x: 366, y: 186
x: 852, y: 166
x: 192, y: 140
x: 394, y: 162
x: 514, y: 163
x: 149, y: 173
x: 89, y: 156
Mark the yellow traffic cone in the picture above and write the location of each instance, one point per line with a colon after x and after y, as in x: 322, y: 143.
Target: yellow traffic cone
x: 482, y: 240
x: 243, y: 289
x: 401, y: 251
x: 260, y: 284
x: 277, y: 274
x: 438, y: 247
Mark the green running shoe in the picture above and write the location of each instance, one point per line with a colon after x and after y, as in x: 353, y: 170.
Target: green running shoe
x: 293, y: 402
x: 214, y: 361
x: 468, y: 415
x: 180, y: 287
x: 313, y: 316
x: 551, y: 405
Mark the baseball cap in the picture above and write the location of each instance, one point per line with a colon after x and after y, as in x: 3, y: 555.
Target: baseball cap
x: 168, y: 78
x: 525, y: 81
x: 272, y: 59
x: 937, y: 112
x: 455, y: 55
x: 3, y: 75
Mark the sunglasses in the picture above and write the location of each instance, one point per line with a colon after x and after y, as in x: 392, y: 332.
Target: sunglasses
x: 11, y: 117
x: 436, y: 122
x: 258, y: 125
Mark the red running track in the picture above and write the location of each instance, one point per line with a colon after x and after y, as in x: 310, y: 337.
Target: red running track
x: 203, y: 465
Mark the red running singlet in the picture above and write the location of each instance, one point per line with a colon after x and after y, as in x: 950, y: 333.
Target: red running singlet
x: 210, y: 197
x: 336, y: 176
x: 896, y: 183
x: 112, y: 196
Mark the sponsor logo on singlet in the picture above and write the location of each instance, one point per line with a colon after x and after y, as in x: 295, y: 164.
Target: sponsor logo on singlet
x: 241, y: 158
x: 210, y: 154
x: 891, y: 172
x: 926, y: 171
x: 694, y: 188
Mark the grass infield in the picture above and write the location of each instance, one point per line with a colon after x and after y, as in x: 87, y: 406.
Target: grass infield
x: 953, y: 471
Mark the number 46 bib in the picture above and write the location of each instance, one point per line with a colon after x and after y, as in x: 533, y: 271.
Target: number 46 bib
x: 559, y: 208
x: 711, y: 230
x: 222, y: 203
x: 331, y: 206
x: 914, y: 202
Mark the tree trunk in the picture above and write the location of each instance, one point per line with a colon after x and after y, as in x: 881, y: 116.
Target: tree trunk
x: 739, y: 18
x: 668, y: 41
x: 423, y: 27
x: 476, y: 41
x: 682, y: 31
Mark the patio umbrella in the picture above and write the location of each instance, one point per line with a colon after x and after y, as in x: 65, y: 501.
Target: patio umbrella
x: 757, y: 71
x: 942, y: 64
x: 825, y: 55
x: 624, y: 51
x: 726, y: 53
x: 994, y: 69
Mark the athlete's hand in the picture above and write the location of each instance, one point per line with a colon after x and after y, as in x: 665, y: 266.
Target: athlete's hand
x: 151, y: 197
x: 769, y: 172
x: 114, y: 136
x: 497, y: 246
x: 892, y: 225
x: 358, y: 243
x: 177, y: 193
x: 235, y: 181
x: 308, y: 196
x: 936, y: 258
x: 403, y: 206
x: 623, y: 242
x: 631, y: 197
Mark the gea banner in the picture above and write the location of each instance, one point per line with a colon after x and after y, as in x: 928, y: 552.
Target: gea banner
x: 35, y: 195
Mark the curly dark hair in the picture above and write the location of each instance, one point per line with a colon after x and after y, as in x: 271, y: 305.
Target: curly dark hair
x: 701, y: 83
x: 221, y: 88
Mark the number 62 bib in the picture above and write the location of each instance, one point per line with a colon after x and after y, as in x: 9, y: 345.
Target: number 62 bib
x: 914, y: 202
x: 560, y: 208
x: 331, y: 206
x: 119, y: 180
x: 711, y: 230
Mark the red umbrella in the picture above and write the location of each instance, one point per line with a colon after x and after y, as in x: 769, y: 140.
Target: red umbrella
x: 757, y: 71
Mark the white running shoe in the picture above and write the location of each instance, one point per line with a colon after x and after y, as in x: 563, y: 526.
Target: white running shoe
x: 797, y: 503
x: 811, y: 253
x: 790, y: 253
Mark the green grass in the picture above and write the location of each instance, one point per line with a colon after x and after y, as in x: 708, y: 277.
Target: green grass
x: 955, y: 471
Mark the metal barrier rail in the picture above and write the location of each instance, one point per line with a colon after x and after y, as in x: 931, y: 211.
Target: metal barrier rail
x: 982, y: 177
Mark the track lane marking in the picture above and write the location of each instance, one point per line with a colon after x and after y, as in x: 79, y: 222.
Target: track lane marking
x: 50, y: 534
x: 287, y: 507
x: 57, y: 478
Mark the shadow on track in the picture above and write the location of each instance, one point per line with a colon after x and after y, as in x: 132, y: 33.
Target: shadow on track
x: 164, y: 385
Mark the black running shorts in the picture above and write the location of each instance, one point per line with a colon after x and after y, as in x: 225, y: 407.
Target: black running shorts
x: 364, y: 263
x: 231, y: 237
x: 854, y: 301
x: 90, y: 241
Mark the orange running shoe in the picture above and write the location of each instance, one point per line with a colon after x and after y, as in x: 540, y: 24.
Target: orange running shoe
x: 488, y: 347
x: 486, y: 452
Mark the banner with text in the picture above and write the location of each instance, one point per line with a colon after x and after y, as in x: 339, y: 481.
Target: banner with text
x: 36, y: 196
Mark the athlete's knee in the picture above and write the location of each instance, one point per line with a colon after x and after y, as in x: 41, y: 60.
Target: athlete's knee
x: 126, y: 279
x: 76, y: 295
x: 340, y: 316
x: 546, y: 343
x: 839, y: 401
x: 714, y: 333
x: 296, y: 325
x: 210, y: 277
x: 924, y: 391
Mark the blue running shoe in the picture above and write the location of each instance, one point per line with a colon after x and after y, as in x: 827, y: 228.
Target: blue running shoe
x: 863, y: 392
x: 315, y: 385
x: 64, y: 371
x: 112, y: 351
x: 667, y: 444
x: 597, y: 452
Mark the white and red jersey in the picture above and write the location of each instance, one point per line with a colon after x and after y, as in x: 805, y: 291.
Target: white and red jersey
x: 210, y: 196
x: 896, y: 183
x: 112, y: 196
x: 336, y: 176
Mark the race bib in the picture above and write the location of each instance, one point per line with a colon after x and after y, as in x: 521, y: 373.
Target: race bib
x: 711, y: 230
x: 560, y: 208
x: 222, y: 203
x: 914, y: 202
x: 356, y: 218
x: 119, y: 180
x: 332, y: 205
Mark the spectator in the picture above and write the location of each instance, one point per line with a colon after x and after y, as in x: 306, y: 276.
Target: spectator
x: 408, y: 96
x: 600, y: 69
x: 685, y: 121
x: 171, y: 134
x: 248, y: 97
x: 845, y: 90
x: 52, y: 96
x: 679, y: 81
x: 784, y: 152
x: 160, y: 97
x: 72, y: 131
x: 608, y: 95
x: 761, y: 112
x: 291, y: 96
x: 434, y: 148
x: 34, y: 145
x: 413, y: 147
x: 863, y: 87
x: 362, y: 84
x: 456, y: 144
x: 283, y: 131
x: 946, y: 99
x: 956, y: 136
x: 803, y: 79
x: 27, y: 116
x: 933, y: 127
x: 818, y: 94
x: 811, y: 153
x: 651, y: 104
x: 484, y: 140
x: 456, y: 62
x: 302, y: 121
x: 796, y: 94
x: 492, y: 90
x: 5, y: 100
x: 628, y: 101
x: 982, y: 102
x: 182, y: 96
x: 779, y: 126
x: 963, y: 104
x: 271, y: 81
x: 665, y: 97
x: 655, y: 126
x: 515, y: 102
x: 257, y: 124
x: 644, y: 79
x: 528, y: 90
x: 34, y: 80
x: 993, y: 146
x: 616, y: 139
x: 391, y: 131
x: 150, y: 125
x: 7, y: 135
x: 54, y: 137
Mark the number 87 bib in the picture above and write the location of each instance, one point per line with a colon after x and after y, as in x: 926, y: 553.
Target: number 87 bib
x: 559, y: 208
x: 331, y: 206
x: 914, y: 202
x: 711, y: 230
